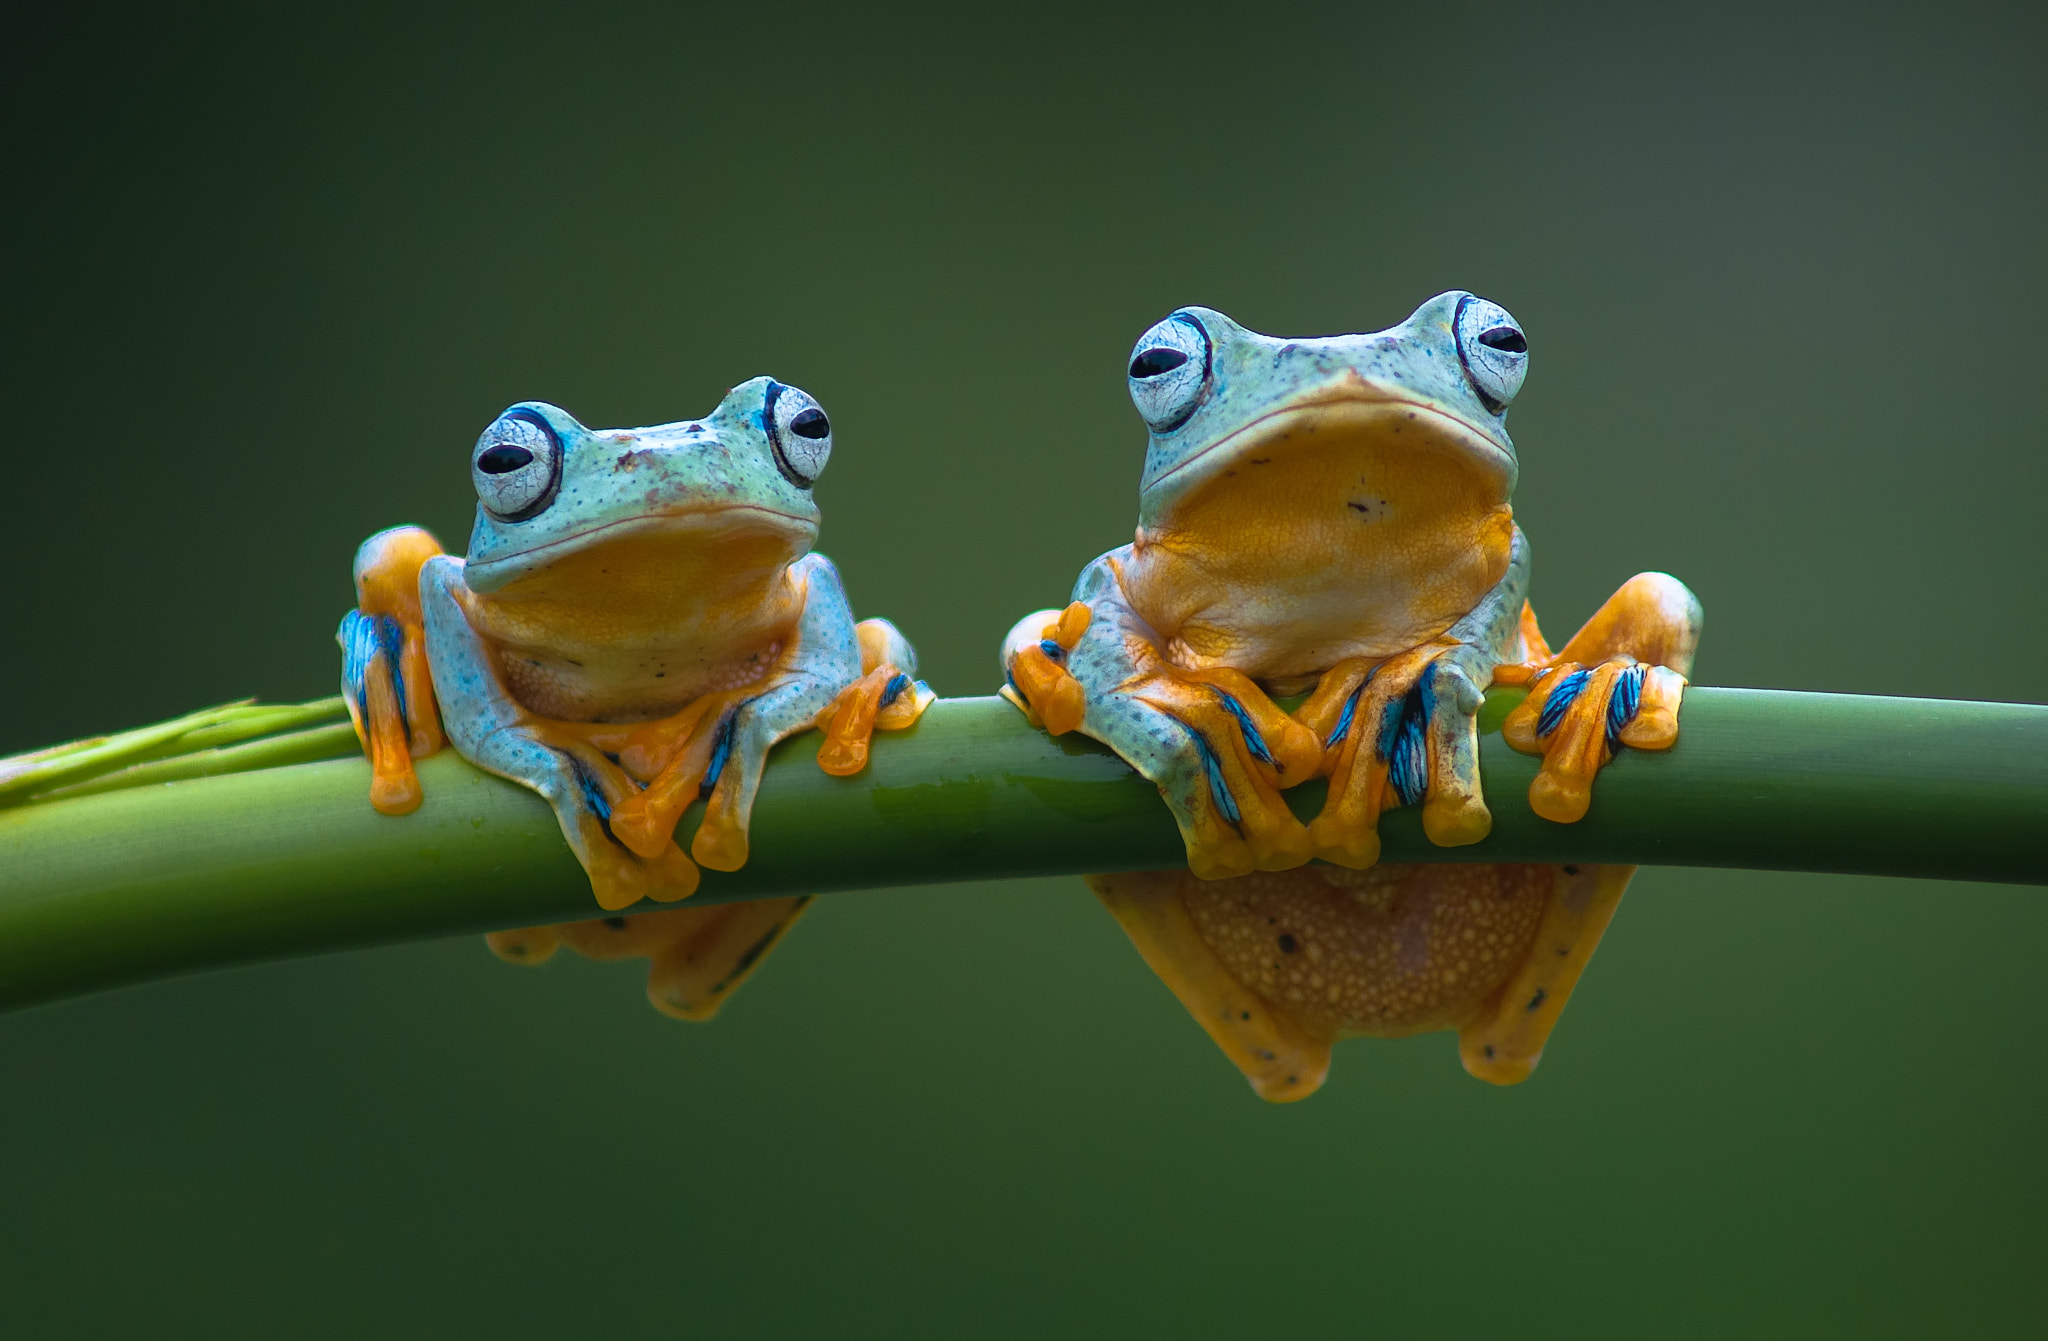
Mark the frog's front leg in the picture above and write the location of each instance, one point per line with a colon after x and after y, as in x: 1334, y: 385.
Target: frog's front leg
x: 728, y: 747
x: 1405, y: 730
x: 1617, y: 682
x: 497, y: 734
x: 384, y: 675
x: 1211, y: 740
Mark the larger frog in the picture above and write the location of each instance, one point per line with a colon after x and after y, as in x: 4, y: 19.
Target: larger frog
x: 1331, y: 517
x: 638, y: 620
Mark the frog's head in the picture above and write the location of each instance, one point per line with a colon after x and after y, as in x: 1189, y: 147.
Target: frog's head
x: 1398, y: 430
x: 551, y: 494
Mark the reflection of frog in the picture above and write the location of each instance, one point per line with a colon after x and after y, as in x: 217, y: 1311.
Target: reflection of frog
x: 638, y: 620
x: 1330, y: 517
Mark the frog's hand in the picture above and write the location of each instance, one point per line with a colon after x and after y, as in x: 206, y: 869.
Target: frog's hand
x: 1284, y: 1058
x: 1212, y: 741
x: 1617, y: 682
x: 824, y: 656
x: 700, y: 955
x: 887, y: 697
x: 495, y: 733
x: 1276, y: 965
x: 1400, y: 732
x: 1503, y: 1043
x: 1406, y: 729
x: 384, y: 673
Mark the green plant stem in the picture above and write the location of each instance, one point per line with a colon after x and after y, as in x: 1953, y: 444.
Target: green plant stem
x: 149, y: 880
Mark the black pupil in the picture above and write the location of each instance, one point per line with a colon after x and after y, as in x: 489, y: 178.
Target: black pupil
x: 1153, y: 362
x: 1505, y: 338
x: 812, y: 424
x: 503, y: 459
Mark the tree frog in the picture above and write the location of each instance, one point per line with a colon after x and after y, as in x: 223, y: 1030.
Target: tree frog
x: 1330, y: 517
x: 639, y: 618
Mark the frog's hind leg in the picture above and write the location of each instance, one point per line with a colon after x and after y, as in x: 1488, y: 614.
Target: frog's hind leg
x: 705, y: 964
x: 1505, y: 1041
x: 700, y: 955
x: 1277, y: 965
x: 1617, y: 682
x: 384, y: 675
x: 1283, y: 1057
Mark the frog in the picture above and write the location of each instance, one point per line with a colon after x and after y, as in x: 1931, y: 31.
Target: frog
x: 1325, y: 580
x: 638, y: 620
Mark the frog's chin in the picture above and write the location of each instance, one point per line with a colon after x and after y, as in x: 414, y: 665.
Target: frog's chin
x: 683, y: 538
x: 1355, y: 419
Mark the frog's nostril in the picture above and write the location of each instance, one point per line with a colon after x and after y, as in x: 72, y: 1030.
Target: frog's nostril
x: 1153, y: 362
x: 1506, y: 339
x: 503, y: 459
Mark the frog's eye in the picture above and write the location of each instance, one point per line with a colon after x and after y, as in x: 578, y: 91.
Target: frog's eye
x: 799, y: 432
x: 517, y: 466
x: 1170, y: 372
x: 1494, y: 351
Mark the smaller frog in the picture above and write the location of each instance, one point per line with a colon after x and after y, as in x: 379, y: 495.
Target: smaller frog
x: 638, y: 620
x: 1328, y: 519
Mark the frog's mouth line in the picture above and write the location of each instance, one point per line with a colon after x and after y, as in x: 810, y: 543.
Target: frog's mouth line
x: 1457, y: 431
x: 496, y: 572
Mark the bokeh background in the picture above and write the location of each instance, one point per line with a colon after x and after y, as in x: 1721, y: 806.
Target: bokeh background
x: 1783, y: 273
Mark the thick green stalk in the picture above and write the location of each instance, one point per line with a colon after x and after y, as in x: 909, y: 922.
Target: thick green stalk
x: 149, y: 880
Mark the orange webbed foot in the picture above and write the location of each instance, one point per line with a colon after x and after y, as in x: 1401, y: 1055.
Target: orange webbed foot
x: 1383, y: 748
x: 678, y: 757
x: 1039, y: 681
x: 888, y: 696
x: 1250, y: 751
x: 1211, y: 740
x: 1618, y: 682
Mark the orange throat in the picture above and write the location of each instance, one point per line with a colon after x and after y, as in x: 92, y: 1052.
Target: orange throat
x: 1354, y: 529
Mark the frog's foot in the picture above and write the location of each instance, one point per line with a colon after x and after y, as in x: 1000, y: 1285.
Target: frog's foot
x: 1396, y: 732
x: 1036, y: 679
x: 700, y: 955
x: 384, y: 675
x: 1211, y: 740
x: 680, y: 758
x: 585, y: 789
x: 1504, y: 1041
x: 1618, y: 682
x: 1247, y: 750
x: 884, y: 699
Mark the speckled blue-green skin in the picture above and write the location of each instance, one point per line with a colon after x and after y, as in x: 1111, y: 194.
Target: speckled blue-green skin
x: 726, y: 455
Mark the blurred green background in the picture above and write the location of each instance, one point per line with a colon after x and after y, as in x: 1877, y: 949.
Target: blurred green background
x: 1783, y: 274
